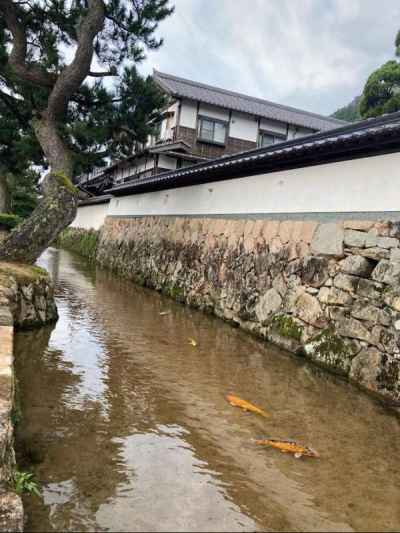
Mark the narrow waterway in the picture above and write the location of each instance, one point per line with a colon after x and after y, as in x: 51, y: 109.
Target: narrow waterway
x: 126, y: 426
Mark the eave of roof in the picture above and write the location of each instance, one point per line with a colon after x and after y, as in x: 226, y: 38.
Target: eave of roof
x: 183, y: 88
x: 369, y: 137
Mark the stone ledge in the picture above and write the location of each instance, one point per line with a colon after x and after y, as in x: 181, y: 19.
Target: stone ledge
x: 26, y: 300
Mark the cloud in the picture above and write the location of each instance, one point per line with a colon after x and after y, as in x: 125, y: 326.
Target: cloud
x: 314, y: 54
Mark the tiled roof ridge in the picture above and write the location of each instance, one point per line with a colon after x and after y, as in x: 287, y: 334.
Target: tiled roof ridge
x: 247, y: 97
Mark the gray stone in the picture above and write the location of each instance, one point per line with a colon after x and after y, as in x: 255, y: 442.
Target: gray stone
x: 388, y: 242
x: 363, y: 311
x: 334, y: 296
x: 328, y: 240
x: 350, y: 327
x: 354, y: 238
x: 374, y: 253
x: 308, y: 309
x: 312, y: 290
x: 268, y: 305
x: 397, y: 325
x: 6, y: 318
x: 392, y: 298
x: 365, y: 368
x: 27, y: 291
x: 377, y: 372
x: 387, y: 272
x: 346, y: 282
x: 315, y: 271
x: 369, y: 289
x: 279, y: 284
x: 395, y: 254
x: 357, y: 265
x: 371, y: 238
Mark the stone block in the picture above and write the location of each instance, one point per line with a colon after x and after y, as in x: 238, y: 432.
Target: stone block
x: 6, y: 341
x: 350, y: 327
x: 364, y: 311
x: 328, y: 240
x: 354, y: 238
x: 392, y: 298
x: 307, y: 231
x: 346, y: 282
x: 377, y: 372
x: 369, y: 289
x: 334, y: 296
x: 360, y: 225
x: 270, y: 230
x: 6, y: 318
x: 308, y: 309
x: 285, y: 230
x: 388, y: 242
x: 315, y: 271
x: 268, y: 305
x: 387, y: 272
x: 371, y: 238
x: 395, y: 255
x: 357, y: 266
x: 375, y: 253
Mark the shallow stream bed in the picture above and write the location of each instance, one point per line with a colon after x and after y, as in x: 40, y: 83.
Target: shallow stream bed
x: 126, y: 426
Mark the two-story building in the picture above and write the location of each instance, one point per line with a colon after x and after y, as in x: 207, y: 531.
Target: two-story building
x: 203, y: 122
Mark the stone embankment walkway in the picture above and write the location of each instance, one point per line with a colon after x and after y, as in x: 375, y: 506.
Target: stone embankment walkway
x: 26, y: 301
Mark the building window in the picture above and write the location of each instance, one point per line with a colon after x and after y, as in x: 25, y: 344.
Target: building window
x: 267, y: 138
x: 212, y: 130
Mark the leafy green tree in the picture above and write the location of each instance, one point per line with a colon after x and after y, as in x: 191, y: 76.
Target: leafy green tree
x: 350, y: 112
x: 382, y: 91
x: 54, y: 58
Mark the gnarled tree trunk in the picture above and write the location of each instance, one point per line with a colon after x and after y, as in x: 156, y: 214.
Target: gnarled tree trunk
x: 58, y: 207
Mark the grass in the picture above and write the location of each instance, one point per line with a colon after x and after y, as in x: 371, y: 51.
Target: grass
x: 83, y: 242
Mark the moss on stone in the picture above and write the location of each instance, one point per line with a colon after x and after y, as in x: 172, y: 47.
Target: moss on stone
x: 22, y: 273
x: 287, y: 327
x: 83, y: 242
x: 177, y: 293
x: 328, y: 343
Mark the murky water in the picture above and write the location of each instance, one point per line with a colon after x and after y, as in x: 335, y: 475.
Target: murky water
x: 126, y: 426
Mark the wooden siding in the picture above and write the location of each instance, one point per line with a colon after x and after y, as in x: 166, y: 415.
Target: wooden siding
x: 205, y: 149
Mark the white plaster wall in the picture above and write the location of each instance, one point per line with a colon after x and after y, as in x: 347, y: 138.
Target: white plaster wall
x: 188, y: 114
x: 214, y: 112
x: 370, y: 184
x: 91, y: 216
x: 243, y: 127
x: 273, y: 125
x: 167, y: 162
x: 168, y: 123
x: 295, y: 132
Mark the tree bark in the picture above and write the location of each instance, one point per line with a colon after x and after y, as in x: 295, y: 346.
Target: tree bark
x: 60, y: 198
x: 4, y: 195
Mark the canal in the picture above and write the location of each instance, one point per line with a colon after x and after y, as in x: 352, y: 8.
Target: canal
x: 126, y: 427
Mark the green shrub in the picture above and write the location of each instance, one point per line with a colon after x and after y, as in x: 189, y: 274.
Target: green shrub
x: 24, y: 483
x: 9, y: 221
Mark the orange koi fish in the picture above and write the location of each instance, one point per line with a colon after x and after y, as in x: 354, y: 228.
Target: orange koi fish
x: 246, y: 406
x: 288, y: 446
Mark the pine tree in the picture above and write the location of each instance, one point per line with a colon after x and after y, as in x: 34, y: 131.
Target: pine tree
x: 77, y: 113
x: 382, y: 91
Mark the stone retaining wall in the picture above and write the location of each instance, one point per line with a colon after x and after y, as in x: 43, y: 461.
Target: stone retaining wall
x: 26, y: 300
x: 330, y: 292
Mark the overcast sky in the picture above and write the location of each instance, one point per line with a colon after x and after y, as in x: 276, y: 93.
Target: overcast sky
x: 313, y: 54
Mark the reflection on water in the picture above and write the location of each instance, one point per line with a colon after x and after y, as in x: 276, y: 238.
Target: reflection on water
x: 126, y: 426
